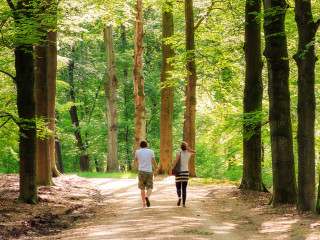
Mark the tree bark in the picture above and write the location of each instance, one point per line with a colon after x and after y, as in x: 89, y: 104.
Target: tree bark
x: 84, y: 157
x: 138, y: 79
x: 306, y: 59
x: 44, y: 176
x: 25, y: 78
x: 190, y: 115
x: 167, y: 90
x: 52, y: 77
x: 318, y: 199
x: 252, y: 101
x: 59, y: 155
x: 284, y: 181
x: 110, y: 87
x: 58, y: 151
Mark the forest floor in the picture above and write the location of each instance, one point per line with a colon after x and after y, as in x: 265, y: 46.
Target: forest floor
x: 108, y: 208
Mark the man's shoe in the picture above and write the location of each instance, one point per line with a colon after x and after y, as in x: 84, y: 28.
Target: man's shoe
x: 148, y: 202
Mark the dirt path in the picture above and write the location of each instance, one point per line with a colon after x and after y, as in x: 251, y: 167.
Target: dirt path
x: 211, y: 213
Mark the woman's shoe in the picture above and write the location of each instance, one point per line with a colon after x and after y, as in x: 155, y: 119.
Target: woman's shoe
x: 148, y: 202
x: 179, y: 202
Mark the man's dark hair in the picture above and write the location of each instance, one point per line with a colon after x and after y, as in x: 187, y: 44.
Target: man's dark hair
x: 143, y: 144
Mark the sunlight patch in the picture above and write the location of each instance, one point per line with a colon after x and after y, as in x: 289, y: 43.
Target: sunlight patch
x: 281, y: 225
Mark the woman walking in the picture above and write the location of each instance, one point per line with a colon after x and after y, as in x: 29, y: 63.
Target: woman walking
x: 183, y: 177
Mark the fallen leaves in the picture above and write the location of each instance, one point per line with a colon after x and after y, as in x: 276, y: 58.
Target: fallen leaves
x: 70, y: 199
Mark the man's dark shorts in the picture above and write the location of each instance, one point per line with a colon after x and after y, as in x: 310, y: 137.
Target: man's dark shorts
x: 145, y: 180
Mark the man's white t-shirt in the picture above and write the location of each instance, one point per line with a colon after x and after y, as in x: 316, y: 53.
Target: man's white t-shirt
x: 145, y: 156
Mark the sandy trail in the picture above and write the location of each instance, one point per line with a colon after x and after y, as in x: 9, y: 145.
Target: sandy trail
x: 123, y: 217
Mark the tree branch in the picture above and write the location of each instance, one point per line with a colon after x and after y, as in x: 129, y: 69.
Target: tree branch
x: 11, y: 5
x: 14, y: 79
x: 5, y: 114
x: 206, y: 57
x: 204, y: 17
x: 5, y: 122
x: 3, y: 22
x: 317, y: 25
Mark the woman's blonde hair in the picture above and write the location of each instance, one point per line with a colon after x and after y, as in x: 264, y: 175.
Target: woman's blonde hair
x: 183, y: 146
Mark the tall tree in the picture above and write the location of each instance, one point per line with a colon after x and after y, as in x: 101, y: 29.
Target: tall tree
x: 127, y: 115
x: 252, y: 100
x: 43, y: 166
x: 167, y: 90
x: 110, y: 87
x: 23, y: 16
x: 284, y: 181
x: 59, y: 155
x: 45, y: 89
x: 190, y: 115
x: 306, y: 59
x: 57, y: 147
x: 52, y: 77
x: 84, y: 157
x: 138, y: 78
x: 318, y: 199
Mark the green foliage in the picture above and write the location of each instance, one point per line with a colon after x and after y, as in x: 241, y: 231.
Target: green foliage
x: 9, y: 130
x: 220, y: 63
x: 107, y: 175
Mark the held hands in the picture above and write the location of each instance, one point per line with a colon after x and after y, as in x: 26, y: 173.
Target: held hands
x: 170, y: 172
x: 155, y: 174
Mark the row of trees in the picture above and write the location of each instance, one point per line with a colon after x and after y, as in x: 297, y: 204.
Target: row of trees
x: 276, y: 53
x: 36, y: 68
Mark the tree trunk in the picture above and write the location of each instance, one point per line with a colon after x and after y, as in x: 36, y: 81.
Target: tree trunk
x: 284, y: 181
x: 52, y: 77
x: 138, y: 79
x: 58, y: 151
x: 252, y: 101
x: 110, y: 87
x: 44, y: 176
x: 84, y: 157
x: 25, y: 78
x: 190, y: 115
x: 167, y: 90
x: 59, y: 155
x: 306, y: 59
x: 318, y: 199
x: 127, y: 91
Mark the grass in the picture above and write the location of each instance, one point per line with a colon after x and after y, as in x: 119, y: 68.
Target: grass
x: 198, y: 232
x: 106, y: 175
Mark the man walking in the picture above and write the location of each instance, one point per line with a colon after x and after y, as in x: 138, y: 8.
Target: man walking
x: 145, y: 158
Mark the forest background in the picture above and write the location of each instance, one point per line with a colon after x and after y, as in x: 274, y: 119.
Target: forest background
x: 81, y: 73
